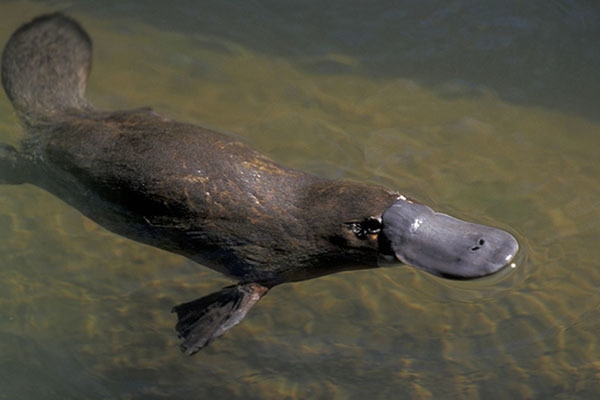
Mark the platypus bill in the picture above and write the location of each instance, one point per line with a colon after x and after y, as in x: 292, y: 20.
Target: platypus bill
x: 209, y: 197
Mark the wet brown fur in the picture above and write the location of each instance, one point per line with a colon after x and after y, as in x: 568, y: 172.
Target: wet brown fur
x: 176, y: 186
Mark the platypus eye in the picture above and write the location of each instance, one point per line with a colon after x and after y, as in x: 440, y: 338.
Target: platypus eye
x: 369, y: 226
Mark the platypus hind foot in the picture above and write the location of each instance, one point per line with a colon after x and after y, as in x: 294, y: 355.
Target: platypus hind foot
x: 13, y: 168
x: 206, y: 318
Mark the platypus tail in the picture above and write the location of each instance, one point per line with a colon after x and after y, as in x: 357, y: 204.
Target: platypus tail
x: 45, y: 66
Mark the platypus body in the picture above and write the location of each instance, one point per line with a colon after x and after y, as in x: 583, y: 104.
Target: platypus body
x: 209, y: 197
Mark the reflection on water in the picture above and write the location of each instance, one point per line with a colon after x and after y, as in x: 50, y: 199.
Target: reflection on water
x: 461, y: 107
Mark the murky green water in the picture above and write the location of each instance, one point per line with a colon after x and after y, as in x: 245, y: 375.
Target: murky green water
x: 485, y: 110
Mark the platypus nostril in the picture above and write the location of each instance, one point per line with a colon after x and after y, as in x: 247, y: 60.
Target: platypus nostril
x: 480, y: 243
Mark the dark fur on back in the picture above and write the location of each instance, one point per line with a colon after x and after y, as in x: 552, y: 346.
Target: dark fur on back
x: 176, y: 186
x: 173, y: 185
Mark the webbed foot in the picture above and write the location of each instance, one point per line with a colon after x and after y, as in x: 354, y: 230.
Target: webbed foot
x: 13, y: 169
x: 208, y: 317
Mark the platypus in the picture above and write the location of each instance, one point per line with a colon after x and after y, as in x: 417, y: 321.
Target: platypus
x: 210, y: 197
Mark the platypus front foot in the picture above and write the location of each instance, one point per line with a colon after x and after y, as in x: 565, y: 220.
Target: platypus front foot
x: 208, y: 317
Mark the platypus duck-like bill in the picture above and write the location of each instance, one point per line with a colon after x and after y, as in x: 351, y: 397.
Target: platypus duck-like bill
x: 443, y: 245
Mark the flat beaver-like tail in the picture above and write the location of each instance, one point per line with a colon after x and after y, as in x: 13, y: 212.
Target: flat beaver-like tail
x: 45, y: 66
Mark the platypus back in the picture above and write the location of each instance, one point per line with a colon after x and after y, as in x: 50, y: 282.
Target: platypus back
x: 45, y: 66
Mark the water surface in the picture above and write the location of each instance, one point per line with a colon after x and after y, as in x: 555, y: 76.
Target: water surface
x: 481, y: 110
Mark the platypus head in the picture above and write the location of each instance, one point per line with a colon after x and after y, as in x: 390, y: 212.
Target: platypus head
x: 380, y: 227
x: 416, y: 235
